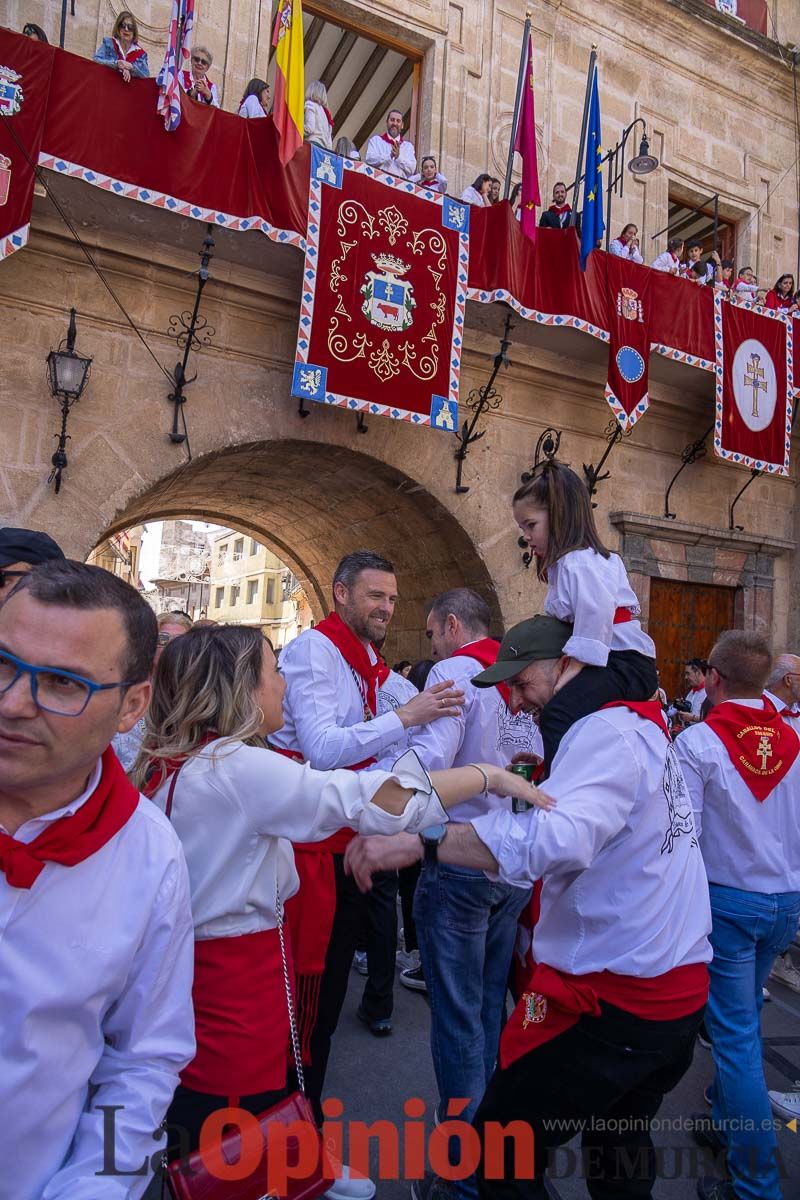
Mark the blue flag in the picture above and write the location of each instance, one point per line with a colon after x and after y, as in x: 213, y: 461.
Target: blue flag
x: 592, y: 223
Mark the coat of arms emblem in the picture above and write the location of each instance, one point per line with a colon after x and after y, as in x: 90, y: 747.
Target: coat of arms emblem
x: 10, y: 92
x: 535, y: 1009
x: 388, y: 299
x: 5, y: 179
x: 629, y: 306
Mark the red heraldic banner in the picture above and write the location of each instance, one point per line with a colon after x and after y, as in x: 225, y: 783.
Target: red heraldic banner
x: 24, y: 92
x: 628, y: 289
x: 384, y: 288
x: 753, y: 425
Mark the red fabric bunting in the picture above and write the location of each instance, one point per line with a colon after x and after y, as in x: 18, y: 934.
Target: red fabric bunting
x: 753, y: 424
x: 629, y: 290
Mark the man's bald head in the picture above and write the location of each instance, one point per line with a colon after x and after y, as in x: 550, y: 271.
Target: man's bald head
x: 784, y: 679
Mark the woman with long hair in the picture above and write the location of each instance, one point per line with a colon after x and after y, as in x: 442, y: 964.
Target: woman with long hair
x: 781, y: 296
x: 122, y: 51
x: 317, y: 119
x: 237, y: 806
x: 610, y: 655
x: 478, y: 191
x: 255, y: 101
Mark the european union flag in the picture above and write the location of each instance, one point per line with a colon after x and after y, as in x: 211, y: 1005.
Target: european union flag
x: 592, y: 223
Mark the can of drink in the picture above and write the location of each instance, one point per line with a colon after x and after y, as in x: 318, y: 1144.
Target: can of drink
x: 526, y: 771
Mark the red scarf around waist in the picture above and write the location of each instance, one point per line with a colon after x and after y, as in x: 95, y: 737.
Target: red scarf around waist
x: 71, y: 839
x: 555, y: 1001
x: 485, y: 652
x: 760, y: 745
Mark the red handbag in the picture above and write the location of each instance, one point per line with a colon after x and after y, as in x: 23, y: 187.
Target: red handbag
x: 192, y: 1178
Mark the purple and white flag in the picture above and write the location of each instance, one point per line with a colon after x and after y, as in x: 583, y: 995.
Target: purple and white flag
x: 177, y: 59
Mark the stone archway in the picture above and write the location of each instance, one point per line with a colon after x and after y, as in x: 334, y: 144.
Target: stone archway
x: 312, y: 503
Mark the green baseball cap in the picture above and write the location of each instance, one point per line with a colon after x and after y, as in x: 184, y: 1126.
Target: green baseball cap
x: 533, y: 640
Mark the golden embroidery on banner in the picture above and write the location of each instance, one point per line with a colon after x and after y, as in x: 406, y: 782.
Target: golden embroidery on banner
x: 338, y: 344
x: 337, y: 276
x: 428, y: 364
x: 393, y: 221
x: 435, y: 243
x: 384, y: 363
x: 349, y: 214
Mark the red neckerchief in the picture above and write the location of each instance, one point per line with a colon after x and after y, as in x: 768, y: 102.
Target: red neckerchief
x: 188, y: 81
x: 698, y: 687
x: 133, y: 55
x: 485, y: 652
x: 71, y: 839
x: 392, y: 142
x: 780, y: 301
x: 760, y: 745
x: 327, y: 112
x: 558, y: 209
x: 651, y: 710
x: 355, y: 654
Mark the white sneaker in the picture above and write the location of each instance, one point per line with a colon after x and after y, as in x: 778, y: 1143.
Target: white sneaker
x: 786, y: 1104
x: 784, y: 971
x: 360, y: 962
x: 407, y: 960
x: 349, y: 1187
x: 765, y: 994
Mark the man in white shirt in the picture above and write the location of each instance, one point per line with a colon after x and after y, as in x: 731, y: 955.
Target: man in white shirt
x: 670, y: 260
x: 97, y: 941
x: 694, y: 674
x: 783, y: 690
x: 390, y: 151
x: 466, y: 924
x: 608, y: 1024
x: 627, y: 245
x: 331, y: 719
x: 742, y: 771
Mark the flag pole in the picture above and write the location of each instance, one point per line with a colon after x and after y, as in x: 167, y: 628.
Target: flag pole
x: 573, y: 217
x: 523, y: 60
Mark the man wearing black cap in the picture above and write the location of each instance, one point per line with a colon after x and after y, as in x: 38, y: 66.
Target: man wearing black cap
x: 21, y: 549
x: 607, y: 1024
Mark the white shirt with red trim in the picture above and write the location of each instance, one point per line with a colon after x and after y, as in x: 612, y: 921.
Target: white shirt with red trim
x: 746, y: 844
x: 323, y: 708
x: 624, y: 887
x: 379, y: 154
x: 587, y: 589
x: 696, y: 699
x: 484, y: 731
x: 96, y: 965
x: 625, y: 250
x: 666, y: 262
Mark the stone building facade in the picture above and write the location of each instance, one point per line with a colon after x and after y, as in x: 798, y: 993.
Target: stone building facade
x: 251, y: 586
x: 718, y: 104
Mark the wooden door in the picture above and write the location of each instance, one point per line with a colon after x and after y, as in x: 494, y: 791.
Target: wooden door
x: 685, y: 621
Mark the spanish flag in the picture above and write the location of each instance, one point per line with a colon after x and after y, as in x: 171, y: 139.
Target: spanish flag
x: 287, y: 109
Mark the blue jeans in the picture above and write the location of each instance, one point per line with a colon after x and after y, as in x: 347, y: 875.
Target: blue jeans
x: 466, y: 928
x: 749, y: 929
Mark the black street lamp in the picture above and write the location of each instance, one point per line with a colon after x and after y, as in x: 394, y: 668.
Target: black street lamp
x: 642, y: 163
x: 67, y: 374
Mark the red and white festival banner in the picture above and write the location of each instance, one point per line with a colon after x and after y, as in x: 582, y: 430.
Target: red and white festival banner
x: 628, y: 289
x: 753, y: 425
x: 24, y: 92
x: 384, y: 288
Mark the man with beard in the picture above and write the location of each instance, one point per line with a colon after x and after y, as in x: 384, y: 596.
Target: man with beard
x: 333, y: 674
x: 607, y: 1023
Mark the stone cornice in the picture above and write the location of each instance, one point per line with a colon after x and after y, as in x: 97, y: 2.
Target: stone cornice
x: 704, y: 12
x: 700, y: 535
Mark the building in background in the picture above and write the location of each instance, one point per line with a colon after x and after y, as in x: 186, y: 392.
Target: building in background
x: 249, y: 585
x: 119, y: 553
x: 183, y: 578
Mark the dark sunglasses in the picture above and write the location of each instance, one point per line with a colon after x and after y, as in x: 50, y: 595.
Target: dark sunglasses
x: 201, y: 62
x: 127, y: 25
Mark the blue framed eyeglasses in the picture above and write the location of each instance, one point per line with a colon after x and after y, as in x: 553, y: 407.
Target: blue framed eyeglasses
x: 60, y: 692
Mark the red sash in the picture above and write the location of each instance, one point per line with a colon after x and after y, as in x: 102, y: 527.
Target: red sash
x: 556, y: 1001
x: 485, y: 652
x: 241, y: 1019
x: 622, y: 616
x: 760, y: 745
x: 355, y: 654
x: 71, y: 839
x: 392, y: 142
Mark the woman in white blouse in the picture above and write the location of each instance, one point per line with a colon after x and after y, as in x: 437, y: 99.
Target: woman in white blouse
x: 478, y: 191
x: 237, y: 806
x: 255, y: 101
x: 317, y: 119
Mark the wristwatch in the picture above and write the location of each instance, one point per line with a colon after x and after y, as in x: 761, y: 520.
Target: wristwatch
x: 431, y: 839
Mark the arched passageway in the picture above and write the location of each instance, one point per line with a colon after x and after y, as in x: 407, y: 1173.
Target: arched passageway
x: 311, y: 503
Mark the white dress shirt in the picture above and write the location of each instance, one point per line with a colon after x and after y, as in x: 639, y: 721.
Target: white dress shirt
x: 471, y: 195
x: 251, y: 107
x: 624, y: 887
x: 625, y: 250
x: 392, y: 693
x: 696, y: 700
x: 96, y: 966
x: 437, y: 184
x: 587, y: 589
x: 746, y: 844
x: 484, y: 731
x: 323, y: 708
x: 379, y: 154
x: 666, y: 262
x: 316, y: 126
x: 238, y: 808
x: 784, y: 708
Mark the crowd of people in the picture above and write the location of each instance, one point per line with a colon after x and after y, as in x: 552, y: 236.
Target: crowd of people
x: 165, y: 930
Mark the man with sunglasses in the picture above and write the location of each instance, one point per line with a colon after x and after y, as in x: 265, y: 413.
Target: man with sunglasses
x: 195, y: 82
x: 21, y: 549
x: 96, y: 937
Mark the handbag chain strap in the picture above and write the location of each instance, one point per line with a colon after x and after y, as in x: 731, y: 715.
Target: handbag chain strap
x: 298, y: 1057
